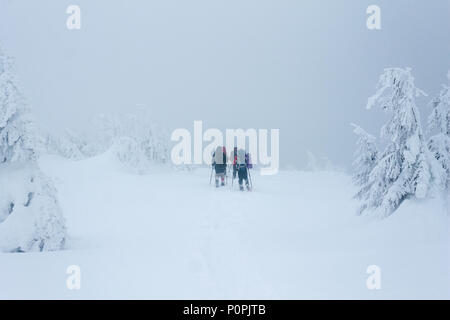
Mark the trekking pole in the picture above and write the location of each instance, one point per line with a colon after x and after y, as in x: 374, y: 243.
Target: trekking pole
x: 232, y: 180
x: 226, y: 176
x: 250, y: 178
x: 210, y: 176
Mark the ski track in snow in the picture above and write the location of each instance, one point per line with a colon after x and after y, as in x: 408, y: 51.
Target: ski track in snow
x: 169, y: 234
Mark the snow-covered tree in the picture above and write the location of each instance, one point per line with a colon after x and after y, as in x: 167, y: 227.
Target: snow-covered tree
x: 16, y: 142
x: 69, y: 144
x: 439, y: 122
x: 402, y: 170
x: 30, y: 217
x: 131, y: 155
x: 315, y: 163
x: 134, y: 139
x: 366, y: 156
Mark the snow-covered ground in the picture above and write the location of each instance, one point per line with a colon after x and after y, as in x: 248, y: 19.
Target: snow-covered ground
x: 168, y: 234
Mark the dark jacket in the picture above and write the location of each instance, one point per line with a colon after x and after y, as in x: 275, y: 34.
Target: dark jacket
x: 220, y: 167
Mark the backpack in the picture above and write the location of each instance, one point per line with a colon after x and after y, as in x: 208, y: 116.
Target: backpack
x: 249, y: 160
x: 218, y: 155
x: 240, y: 158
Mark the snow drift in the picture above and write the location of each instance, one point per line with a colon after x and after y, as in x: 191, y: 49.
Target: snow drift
x: 30, y: 216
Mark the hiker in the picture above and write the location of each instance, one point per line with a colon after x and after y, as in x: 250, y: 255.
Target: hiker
x: 243, y: 163
x: 219, y: 163
x: 233, y: 158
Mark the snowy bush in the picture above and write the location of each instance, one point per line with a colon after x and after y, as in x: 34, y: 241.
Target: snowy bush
x: 30, y: 217
x: 403, y: 169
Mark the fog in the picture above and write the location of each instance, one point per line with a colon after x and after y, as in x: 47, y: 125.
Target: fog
x: 304, y: 67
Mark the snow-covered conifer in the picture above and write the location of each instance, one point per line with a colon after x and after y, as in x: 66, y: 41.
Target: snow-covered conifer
x: 402, y: 169
x: 30, y: 217
x: 439, y: 122
x: 16, y: 140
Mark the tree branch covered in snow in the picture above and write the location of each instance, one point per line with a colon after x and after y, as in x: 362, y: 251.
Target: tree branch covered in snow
x: 366, y: 155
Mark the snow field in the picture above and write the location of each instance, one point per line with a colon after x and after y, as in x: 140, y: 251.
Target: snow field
x: 169, y: 234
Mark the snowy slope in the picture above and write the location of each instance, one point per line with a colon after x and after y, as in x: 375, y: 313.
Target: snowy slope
x: 170, y: 235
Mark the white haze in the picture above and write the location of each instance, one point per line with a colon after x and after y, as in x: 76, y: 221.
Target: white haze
x: 305, y: 67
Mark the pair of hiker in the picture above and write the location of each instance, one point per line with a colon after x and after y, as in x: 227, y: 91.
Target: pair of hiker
x: 241, y: 162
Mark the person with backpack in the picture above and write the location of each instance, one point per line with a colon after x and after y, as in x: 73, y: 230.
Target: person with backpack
x: 243, y: 164
x: 219, y: 164
x: 233, y: 158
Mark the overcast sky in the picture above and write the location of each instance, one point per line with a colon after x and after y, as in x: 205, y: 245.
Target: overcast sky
x: 305, y: 67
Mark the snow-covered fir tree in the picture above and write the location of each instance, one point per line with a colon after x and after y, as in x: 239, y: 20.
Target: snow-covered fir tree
x: 439, y: 123
x: 30, y: 217
x: 15, y: 138
x: 366, y: 156
x: 402, y: 170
